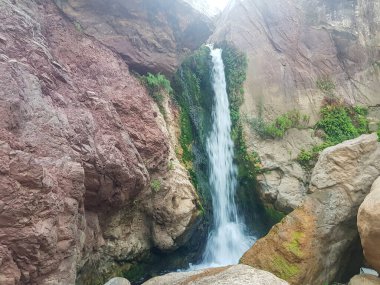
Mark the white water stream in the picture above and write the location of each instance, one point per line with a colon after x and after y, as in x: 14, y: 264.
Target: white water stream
x: 228, y: 239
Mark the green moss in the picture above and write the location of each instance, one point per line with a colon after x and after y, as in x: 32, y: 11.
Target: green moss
x: 294, y: 245
x: 236, y: 64
x: 193, y: 93
x: 98, y: 273
x: 135, y: 272
x: 274, y: 215
x: 283, y: 268
x: 155, y: 185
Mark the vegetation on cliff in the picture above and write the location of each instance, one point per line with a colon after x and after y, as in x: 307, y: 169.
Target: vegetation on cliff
x: 194, y: 94
x: 338, y: 122
x: 156, y: 85
x: 278, y: 127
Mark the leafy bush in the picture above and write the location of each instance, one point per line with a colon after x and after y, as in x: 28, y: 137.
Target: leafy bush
x: 339, y: 122
x: 280, y: 125
x: 342, y: 122
x: 156, y: 84
x: 305, y: 157
x: 378, y: 133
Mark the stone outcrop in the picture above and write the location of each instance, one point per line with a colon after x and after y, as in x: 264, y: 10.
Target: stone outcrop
x: 283, y: 181
x: 369, y: 226
x: 232, y: 275
x: 364, y: 279
x: 80, y: 145
x: 291, y: 45
x: 313, y: 242
x: 151, y: 35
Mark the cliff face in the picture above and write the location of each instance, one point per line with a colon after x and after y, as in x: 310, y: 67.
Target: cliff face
x: 151, y: 35
x: 313, y: 244
x: 291, y: 45
x: 80, y: 143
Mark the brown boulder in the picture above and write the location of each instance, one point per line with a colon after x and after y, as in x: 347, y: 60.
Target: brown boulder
x: 369, y: 226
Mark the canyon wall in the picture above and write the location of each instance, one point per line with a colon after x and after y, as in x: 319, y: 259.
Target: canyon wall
x: 81, y: 143
x: 291, y: 46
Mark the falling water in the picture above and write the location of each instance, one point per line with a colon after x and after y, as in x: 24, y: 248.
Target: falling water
x: 227, y: 240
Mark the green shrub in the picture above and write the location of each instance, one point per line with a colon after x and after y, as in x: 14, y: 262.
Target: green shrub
x: 155, y: 185
x: 156, y: 84
x: 378, y: 133
x: 280, y: 125
x: 339, y: 122
x: 305, y: 157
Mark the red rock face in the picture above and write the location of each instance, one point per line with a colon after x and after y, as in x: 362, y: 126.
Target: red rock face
x: 77, y: 133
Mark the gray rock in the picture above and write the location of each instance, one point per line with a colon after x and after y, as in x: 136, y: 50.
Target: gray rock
x: 369, y: 226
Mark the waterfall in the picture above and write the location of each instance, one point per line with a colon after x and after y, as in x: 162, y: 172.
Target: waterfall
x: 227, y: 240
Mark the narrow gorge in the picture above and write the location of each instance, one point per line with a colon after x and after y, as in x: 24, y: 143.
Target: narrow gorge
x: 189, y: 142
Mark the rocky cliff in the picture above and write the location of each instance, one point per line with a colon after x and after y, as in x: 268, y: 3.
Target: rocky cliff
x: 151, y: 35
x: 314, y: 243
x: 81, y: 143
x: 293, y: 47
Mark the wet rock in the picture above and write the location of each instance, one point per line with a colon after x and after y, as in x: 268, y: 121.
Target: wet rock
x: 312, y: 243
x: 369, y: 226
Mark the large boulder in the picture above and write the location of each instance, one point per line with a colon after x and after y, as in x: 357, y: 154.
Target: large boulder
x: 369, y: 226
x: 313, y: 242
x: 232, y: 275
